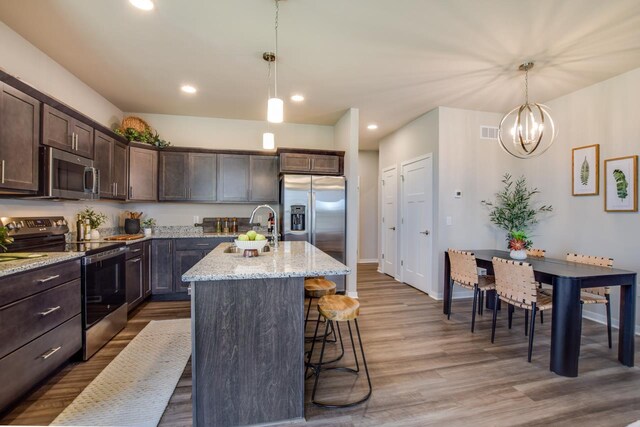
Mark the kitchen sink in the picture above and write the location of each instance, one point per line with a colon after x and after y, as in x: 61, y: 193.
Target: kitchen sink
x: 237, y: 250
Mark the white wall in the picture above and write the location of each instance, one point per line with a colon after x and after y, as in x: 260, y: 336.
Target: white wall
x: 606, y: 114
x: 21, y: 59
x: 368, y: 218
x: 208, y: 132
x: 346, y: 139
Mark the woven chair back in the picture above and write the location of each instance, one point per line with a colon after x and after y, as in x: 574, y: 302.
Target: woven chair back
x: 463, y: 267
x: 592, y: 260
x: 536, y: 252
x: 515, y: 280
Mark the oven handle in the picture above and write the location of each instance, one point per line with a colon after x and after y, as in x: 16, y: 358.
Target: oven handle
x: 92, y: 259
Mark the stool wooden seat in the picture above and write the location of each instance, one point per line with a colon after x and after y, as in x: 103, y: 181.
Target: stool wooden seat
x: 339, y: 307
x: 318, y: 287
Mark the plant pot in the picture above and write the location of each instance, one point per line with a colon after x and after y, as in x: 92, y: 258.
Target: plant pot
x: 132, y: 226
x: 520, y: 255
x: 95, y: 234
x: 147, y: 232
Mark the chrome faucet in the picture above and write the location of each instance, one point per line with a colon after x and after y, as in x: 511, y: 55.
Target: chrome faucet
x: 275, y: 222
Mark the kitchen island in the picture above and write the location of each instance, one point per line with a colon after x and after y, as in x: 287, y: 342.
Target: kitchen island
x: 248, y: 332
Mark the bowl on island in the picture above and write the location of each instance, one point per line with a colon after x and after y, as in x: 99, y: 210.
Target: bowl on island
x: 251, y: 247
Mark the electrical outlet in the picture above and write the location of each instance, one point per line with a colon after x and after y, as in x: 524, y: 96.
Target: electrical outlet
x: 449, y: 220
x: 196, y: 219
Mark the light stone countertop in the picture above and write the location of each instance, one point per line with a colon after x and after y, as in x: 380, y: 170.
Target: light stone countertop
x: 290, y: 259
x: 18, y: 266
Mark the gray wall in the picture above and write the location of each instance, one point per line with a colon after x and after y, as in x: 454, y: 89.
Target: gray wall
x: 368, y: 218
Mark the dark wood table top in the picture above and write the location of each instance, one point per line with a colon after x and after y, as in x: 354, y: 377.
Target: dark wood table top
x: 556, y: 267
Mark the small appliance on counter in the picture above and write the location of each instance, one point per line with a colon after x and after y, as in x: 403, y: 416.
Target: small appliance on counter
x: 104, y: 307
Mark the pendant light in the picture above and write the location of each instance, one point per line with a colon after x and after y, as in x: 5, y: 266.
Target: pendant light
x: 528, y: 130
x: 268, y: 138
x: 275, y: 105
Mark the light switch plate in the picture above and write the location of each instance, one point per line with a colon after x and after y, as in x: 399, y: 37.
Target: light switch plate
x: 449, y: 220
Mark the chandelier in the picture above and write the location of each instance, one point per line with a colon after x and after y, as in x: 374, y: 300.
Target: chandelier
x: 528, y: 130
x: 275, y: 105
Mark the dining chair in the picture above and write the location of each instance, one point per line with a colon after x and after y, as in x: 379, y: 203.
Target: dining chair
x: 595, y: 295
x: 464, y: 272
x: 538, y: 253
x: 516, y: 285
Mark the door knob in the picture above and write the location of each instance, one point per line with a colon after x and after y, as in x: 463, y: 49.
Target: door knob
x: 425, y: 232
x: 392, y: 228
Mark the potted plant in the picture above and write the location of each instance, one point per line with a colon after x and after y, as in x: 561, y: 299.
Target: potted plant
x: 147, y: 226
x: 96, y: 219
x: 132, y: 223
x: 4, y: 239
x: 513, y: 211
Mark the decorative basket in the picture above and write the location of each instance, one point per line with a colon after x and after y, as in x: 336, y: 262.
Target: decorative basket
x: 134, y: 122
x: 251, y: 244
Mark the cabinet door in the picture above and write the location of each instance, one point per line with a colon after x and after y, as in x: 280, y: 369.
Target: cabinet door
x: 147, y: 266
x: 325, y: 164
x: 19, y: 139
x: 143, y: 174
x: 293, y: 162
x: 56, y: 129
x: 119, y: 170
x: 202, y: 177
x: 103, y: 146
x: 84, y: 139
x: 233, y: 178
x: 162, y: 267
x: 264, y: 179
x: 134, y: 276
x: 184, y: 260
x: 173, y: 176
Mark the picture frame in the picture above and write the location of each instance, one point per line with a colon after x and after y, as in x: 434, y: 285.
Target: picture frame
x: 620, y: 184
x: 585, y: 167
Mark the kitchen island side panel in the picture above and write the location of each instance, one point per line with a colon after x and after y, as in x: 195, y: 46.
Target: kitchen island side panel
x: 248, y: 365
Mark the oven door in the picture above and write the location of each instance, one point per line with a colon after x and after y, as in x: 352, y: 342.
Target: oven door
x: 68, y: 176
x: 103, y: 285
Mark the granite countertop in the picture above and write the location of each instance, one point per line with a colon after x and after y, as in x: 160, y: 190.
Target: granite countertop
x: 18, y: 266
x: 290, y: 259
x: 179, y: 235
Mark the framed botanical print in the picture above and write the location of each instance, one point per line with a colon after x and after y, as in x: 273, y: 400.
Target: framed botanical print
x: 585, y: 170
x: 620, y: 184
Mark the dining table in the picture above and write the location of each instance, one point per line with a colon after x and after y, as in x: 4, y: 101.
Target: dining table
x: 568, y: 279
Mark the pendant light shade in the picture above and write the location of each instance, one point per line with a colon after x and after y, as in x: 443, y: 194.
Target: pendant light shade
x: 268, y: 141
x: 528, y: 130
x: 275, y: 110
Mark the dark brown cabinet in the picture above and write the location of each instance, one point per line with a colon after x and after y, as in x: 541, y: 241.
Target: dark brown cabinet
x: 187, y: 176
x: 19, y: 140
x: 203, y: 177
x: 147, y: 265
x: 111, y: 161
x: 62, y: 131
x: 134, y: 270
x: 183, y: 261
x: 233, y: 178
x: 264, y: 179
x: 309, y: 163
x: 162, y: 266
x: 143, y: 174
x: 173, y: 176
x: 323, y: 164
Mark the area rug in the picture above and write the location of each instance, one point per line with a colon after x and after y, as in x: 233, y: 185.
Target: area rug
x: 135, y: 388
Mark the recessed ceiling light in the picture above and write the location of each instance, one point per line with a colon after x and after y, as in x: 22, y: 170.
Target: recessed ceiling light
x: 142, y: 4
x: 297, y: 98
x: 188, y: 89
x: 372, y: 126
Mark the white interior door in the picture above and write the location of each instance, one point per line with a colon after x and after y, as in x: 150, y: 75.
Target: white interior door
x: 389, y: 221
x: 417, y: 222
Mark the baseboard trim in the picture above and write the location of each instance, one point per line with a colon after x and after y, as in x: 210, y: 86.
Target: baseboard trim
x: 368, y: 261
x: 353, y: 294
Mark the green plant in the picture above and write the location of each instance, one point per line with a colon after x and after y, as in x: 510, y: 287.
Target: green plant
x: 518, y: 241
x: 513, y: 209
x: 148, y: 223
x: 146, y: 136
x: 4, y: 238
x: 96, y: 219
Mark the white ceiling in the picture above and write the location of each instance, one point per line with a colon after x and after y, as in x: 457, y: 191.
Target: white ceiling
x: 393, y: 59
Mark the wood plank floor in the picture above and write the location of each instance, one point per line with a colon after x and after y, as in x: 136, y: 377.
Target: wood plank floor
x: 426, y: 370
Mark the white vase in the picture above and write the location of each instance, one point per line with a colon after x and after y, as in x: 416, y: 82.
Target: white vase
x: 521, y: 254
x: 147, y: 232
x: 95, y: 234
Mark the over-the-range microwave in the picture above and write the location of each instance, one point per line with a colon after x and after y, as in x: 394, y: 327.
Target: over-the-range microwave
x: 67, y: 176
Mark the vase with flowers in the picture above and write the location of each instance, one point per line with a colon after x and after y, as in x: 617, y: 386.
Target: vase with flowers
x: 96, y: 219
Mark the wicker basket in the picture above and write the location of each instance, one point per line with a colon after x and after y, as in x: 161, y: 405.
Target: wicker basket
x: 134, y: 122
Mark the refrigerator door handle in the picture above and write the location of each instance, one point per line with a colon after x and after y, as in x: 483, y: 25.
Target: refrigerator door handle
x: 313, y: 218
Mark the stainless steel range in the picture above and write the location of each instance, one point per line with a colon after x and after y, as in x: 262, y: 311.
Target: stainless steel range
x: 104, y: 307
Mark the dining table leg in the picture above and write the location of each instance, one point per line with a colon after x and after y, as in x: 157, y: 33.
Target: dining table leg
x: 447, y: 278
x: 626, y: 334
x: 566, y: 326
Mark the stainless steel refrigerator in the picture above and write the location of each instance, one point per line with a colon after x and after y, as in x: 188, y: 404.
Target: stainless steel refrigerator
x: 313, y: 209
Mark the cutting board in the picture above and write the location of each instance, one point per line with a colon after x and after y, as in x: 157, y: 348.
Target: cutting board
x: 125, y: 237
x: 22, y: 255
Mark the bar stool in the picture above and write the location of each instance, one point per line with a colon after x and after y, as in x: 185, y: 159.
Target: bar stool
x: 314, y: 288
x: 338, y: 308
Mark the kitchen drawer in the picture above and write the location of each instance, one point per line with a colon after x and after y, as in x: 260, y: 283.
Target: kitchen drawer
x: 204, y: 243
x: 31, y: 317
x: 25, y: 367
x: 21, y: 285
x: 135, y: 250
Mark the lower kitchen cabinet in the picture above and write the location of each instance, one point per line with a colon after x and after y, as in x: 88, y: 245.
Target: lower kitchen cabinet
x: 147, y: 264
x: 183, y: 261
x: 162, y: 266
x: 138, y: 273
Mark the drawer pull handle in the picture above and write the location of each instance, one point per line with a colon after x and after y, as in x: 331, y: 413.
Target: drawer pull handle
x: 135, y: 250
x: 48, y: 279
x: 50, y: 353
x: 135, y: 260
x: 48, y: 312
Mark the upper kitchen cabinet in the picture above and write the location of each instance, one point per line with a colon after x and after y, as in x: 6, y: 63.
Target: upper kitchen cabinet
x: 202, y: 177
x: 62, y: 131
x: 143, y: 174
x: 19, y: 139
x: 173, y: 176
x: 233, y: 178
x: 187, y: 176
x: 310, y: 162
x: 264, y: 179
x: 111, y: 160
